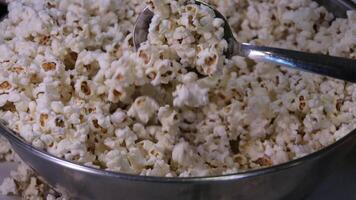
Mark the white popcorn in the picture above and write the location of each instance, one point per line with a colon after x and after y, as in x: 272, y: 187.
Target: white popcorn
x: 195, y: 30
x: 117, y: 161
x: 57, y: 106
x: 143, y: 109
x: 136, y: 158
x: 72, y: 83
x: 207, y: 60
x: 168, y: 117
x: 8, y: 187
x: 191, y: 94
x: 126, y: 135
x: 84, y: 88
x: 118, y: 117
x: 124, y: 75
x: 180, y: 153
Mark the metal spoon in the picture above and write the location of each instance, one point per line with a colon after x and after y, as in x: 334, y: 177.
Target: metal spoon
x: 336, y: 67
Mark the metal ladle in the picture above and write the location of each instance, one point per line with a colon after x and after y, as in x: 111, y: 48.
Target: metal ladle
x: 335, y: 67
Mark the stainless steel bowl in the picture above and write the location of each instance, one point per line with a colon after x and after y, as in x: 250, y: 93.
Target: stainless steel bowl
x: 292, y: 180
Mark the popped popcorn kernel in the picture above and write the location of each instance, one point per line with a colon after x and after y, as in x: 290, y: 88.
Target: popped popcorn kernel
x: 16, y: 69
x: 49, y: 66
x: 43, y: 119
x: 5, y: 85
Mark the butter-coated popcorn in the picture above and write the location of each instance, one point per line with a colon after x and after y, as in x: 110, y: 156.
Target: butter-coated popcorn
x: 73, y: 84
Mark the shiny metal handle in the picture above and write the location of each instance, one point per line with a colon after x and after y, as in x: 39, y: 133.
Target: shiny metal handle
x: 336, y: 67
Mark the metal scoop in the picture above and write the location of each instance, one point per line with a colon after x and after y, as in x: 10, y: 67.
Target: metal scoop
x: 335, y: 67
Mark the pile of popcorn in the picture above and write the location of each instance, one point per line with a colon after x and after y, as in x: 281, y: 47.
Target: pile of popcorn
x: 72, y: 83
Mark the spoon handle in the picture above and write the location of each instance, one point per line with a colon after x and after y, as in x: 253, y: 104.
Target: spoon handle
x: 336, y: 67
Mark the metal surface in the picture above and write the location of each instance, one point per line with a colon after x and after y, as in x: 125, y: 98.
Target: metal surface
x: 141, y: 27
x: 335, y: 67
x: 292, y: 180
x: 3, y: 10
x: 340, y: 68
x: 338, y: 7
x: 341, y: 182
x: 339, y: 185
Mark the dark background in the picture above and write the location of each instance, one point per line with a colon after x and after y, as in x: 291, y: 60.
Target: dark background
x: 341, y: 184
x: 2, y: 9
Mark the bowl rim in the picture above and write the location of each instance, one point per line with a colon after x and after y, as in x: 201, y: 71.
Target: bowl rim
x: 20, y: 143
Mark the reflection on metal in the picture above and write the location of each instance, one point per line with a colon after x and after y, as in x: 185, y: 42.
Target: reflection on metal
x: 269, y: 57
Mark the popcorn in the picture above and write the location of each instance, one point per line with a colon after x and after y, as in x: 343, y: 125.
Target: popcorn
x: 5, y: 86
x: 126, y: 135
x: 72, y: 84
x: 180, y: 153
x: 207, y: 60
x: 191, y: 94
x: 8, y: 187
x: 57, y: 106
x: 49, y: 66
x: 117, y: 161
x: 195, y: 30
x: 168, y: 117
x: 23, y: 182
x: 118, y: 117
x: 143, y: 109
x: 84, y: 88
